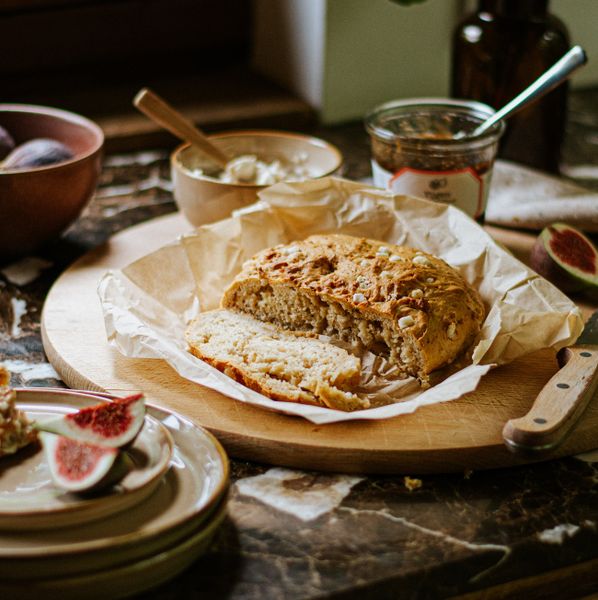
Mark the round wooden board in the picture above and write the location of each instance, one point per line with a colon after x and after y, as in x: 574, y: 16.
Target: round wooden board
x: 453, y: 436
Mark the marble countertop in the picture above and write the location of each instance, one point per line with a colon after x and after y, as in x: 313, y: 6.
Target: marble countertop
x: 528, y: 531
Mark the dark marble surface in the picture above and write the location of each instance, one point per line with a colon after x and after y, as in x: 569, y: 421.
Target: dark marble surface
x: 454, y: 534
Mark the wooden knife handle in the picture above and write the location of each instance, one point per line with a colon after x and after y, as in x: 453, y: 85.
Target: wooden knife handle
x: 559, y: 404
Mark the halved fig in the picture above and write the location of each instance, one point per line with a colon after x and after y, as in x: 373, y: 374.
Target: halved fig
x: 78, y: 466
x: 566, y: 257
x: 112, y: 424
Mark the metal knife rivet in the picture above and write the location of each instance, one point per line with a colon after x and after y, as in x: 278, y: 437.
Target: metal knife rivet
x: 585, y: 354
x: 539, y: 420
x: 563, y: 386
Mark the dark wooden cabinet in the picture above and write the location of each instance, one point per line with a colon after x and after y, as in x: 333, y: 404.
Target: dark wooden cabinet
x: 39, y: 36
x: 92, y: 56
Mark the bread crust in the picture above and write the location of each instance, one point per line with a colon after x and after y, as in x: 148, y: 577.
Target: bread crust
x: 394, y: 300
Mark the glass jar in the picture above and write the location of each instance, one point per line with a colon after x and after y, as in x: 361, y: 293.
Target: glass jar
x: 497, y: 52
x: 414, y: 151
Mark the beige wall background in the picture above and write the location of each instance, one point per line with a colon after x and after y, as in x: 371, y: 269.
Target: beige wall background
x: 346, y: 56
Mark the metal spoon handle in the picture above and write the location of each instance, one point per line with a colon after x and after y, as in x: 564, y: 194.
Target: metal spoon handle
x: 576, y: 57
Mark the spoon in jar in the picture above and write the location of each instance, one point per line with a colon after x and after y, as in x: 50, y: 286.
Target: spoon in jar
x: 166, y: 116
x: 554, y: 76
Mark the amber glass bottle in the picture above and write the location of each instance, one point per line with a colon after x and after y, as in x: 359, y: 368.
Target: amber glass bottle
x: 497, y: 52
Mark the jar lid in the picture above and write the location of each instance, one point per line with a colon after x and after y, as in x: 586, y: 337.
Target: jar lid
x: 433, y: 121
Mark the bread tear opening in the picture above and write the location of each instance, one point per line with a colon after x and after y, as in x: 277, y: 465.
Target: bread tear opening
x: 284, y: 306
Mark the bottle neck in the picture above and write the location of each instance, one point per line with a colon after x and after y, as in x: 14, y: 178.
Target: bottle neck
x: 514, y: 9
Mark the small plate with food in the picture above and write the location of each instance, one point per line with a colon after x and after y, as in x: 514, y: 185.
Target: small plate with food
x: 67, y: 459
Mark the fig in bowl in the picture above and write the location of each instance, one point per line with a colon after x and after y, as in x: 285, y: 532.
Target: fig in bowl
x: 48, y: 174
x: 7, y: 143
x: 40, y: 152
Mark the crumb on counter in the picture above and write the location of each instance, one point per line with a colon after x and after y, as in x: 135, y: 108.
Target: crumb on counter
x: 412, y: 483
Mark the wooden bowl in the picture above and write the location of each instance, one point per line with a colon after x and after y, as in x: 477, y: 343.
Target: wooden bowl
x: 37, y: 204
x: 205, y: 199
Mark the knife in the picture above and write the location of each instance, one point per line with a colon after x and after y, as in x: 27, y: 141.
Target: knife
x: 562, y: 400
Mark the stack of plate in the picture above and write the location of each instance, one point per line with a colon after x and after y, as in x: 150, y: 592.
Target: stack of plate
x: 146, y: 530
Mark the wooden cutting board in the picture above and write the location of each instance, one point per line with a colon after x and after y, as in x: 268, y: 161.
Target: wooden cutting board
x: 453, y: 436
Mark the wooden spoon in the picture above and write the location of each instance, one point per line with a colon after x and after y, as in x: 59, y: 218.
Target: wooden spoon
x: 165, y: 115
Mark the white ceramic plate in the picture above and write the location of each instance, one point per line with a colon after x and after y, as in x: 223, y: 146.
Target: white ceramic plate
x: 185, y: 496
x: 123, y: 580
x: 30, y: 500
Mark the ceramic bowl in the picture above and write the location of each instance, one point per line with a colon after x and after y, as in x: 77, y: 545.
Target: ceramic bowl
x: 204, y: 199
x: 37, y: 204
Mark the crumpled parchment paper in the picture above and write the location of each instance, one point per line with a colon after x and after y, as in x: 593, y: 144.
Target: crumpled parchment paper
x: 148, y: 304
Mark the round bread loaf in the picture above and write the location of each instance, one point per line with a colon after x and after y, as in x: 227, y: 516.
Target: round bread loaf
x: 395, y: 301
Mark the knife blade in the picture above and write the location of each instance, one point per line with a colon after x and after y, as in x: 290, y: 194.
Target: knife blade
x: 562, y: 400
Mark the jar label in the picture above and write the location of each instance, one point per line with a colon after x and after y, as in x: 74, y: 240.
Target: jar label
x: 463, y: 188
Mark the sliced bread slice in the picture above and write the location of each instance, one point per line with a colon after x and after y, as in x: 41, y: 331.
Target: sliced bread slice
x: 279, y: 364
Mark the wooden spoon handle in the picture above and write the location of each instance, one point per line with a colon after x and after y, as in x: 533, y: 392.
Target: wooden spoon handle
x: 166, y: 116
x: 559, y: 404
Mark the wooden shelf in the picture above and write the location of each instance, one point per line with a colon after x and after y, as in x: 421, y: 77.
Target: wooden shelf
x: 232, y: 97
x: 228, y: 100
x: 92, y: 56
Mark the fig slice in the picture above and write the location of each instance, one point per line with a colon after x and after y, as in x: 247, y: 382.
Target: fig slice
x: 78, y: 466
x: 113, y: 424
x: 566, y: 257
